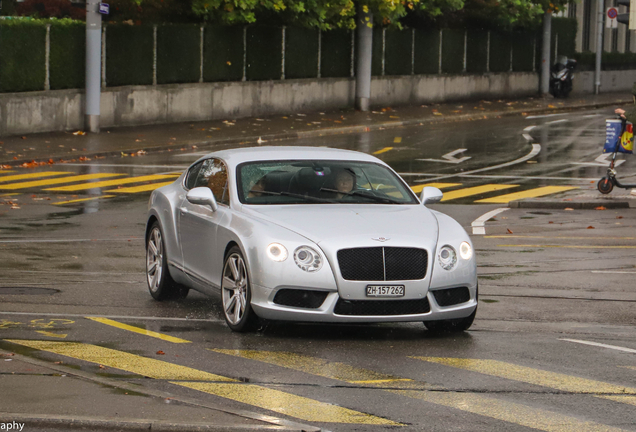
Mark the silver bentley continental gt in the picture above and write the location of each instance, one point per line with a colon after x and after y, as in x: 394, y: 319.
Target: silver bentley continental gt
x: 309, y: 234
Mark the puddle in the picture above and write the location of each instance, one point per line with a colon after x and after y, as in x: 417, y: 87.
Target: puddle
x: 27, y: 291
x: 489, y: 301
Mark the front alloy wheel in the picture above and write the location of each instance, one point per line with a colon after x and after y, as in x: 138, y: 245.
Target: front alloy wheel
x: 236, y: 294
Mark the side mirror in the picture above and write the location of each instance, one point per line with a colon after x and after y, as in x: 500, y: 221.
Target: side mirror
x: 202, y: 196
x: 431, y: 195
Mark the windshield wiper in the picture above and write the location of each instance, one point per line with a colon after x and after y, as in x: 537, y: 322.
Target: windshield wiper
x: 365, y: 195
x: 293, y: 195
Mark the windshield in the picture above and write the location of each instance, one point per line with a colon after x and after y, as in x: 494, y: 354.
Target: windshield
x: 320, y: 182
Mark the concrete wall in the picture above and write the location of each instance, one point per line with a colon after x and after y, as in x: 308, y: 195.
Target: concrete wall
x: 611, y: 81
x: 58, y: 110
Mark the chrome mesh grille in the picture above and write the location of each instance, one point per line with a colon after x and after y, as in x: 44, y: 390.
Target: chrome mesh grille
x: 382, y: 263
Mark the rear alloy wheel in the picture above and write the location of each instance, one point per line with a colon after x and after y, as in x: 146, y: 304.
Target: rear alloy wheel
x: 160, y: 283
x: 605, y: 185
x: 452, y: 325
x: 236, y: 293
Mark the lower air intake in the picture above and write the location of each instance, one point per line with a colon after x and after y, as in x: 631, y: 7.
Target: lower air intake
x: 451, y: 296
x: 300, y: 298
x: 381, y: 307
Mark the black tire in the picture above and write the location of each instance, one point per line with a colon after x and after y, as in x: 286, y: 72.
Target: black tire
x: 452, y: 325
x: 605, y: 185
x: 236, y: 293
x: 160, y: 283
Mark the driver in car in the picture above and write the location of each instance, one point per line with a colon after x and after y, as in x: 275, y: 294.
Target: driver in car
x: 344, y: 182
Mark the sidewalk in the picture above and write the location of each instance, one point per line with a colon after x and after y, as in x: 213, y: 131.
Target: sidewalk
x: 49, y: 397
x: 57, y: 147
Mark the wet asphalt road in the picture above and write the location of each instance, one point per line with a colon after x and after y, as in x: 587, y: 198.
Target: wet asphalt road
x: 545, y: 276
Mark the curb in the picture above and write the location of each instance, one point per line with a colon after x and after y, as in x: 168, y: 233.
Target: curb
x: 102, y: 423
x: 561, y: 205
x: 337, y: 130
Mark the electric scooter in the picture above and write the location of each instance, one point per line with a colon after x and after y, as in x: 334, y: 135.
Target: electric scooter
x: 606, y: 184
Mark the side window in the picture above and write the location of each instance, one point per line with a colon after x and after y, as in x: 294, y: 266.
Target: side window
x: 192, y: 176
x: 213, y: 174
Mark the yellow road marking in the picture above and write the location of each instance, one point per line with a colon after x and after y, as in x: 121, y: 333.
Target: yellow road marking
x: 5, y: 171
x: 384, y: 150
x: 144, y: 366
x: 275, y: 400
x: 117, y: 182
x: 83, y: 199
x: 142, y: 188
x: 8, y: 194
x: 477, y: 404
x: 51, y: 334
x: 397, y: 140
x: 557, y: 237
x: 288, y: 404
x: 569, y: 246
x: 532, y: 193
x: 418, y: 188
x: 477, y: 190
x: 320, y: 367
x: 630, y: 400
x: 4, y: 179
x: 532, y: 376
x: 31, y: 184
x: 138, y: 330
x: 508, y: 411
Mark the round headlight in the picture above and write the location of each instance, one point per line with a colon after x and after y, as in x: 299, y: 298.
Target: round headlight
x: 447, y: 257
x: 277, y: 252
x: 465, y: 251
x: 307, y: 259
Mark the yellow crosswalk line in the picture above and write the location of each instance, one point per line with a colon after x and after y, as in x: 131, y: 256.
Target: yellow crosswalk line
x: 72, y: 179
x: 4, y: 179
x: 508, y: 411
x: 385, y: 149
x: 106, y: 183
x: 82, y: 200
x: 532, y: 193
x: 528, y: 375
x: 274, y: 400
x: 418, y: 188
x: 138, y: 330
x: 323, y: 368
x: 477, y: 190
x: 288, y: 404
x: 477, y: 404
x: 142, y: 188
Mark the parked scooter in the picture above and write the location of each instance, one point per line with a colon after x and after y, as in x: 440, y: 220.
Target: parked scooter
x: 561, y: 76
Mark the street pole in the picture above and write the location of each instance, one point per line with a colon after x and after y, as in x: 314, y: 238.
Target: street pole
x: 93, y: 65
x: 545, y: 53
x: 599, y: 46
x: 363, y: 66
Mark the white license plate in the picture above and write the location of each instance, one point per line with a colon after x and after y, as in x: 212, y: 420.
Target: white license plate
x: 385, y: 290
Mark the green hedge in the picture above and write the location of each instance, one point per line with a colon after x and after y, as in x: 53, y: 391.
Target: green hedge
x: 376, y: 53
x: 129, y: 55
x: 223, y: 53
x: 67, y: 60
x: 335, y: 54
x: 566, y: 29
x: 452, y: 51
x: 609, y: 61
x: 426, y: 51
x: 523, y: 51
x: 301, y: 53
x: 477, y: 51
x: 22, y: 56
x: 398, y: 52
x: 500, y: 46
x: 178, y: 53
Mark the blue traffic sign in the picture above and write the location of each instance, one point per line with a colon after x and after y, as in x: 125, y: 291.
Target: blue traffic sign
x: 104, y: 8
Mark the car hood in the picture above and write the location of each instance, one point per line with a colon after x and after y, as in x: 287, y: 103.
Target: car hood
x: 355, y: 225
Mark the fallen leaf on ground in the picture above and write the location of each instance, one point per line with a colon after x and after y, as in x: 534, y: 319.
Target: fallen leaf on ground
x: 509, y: 231
x: 590, y: 227
x: 619, y: 217
x: 568, y: 208
x: 550, y: 222
x: 78, y: 133
x: 600, y: 208
x: 161, y: 352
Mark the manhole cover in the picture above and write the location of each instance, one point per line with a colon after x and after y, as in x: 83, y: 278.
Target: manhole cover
x: 27, y: 291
